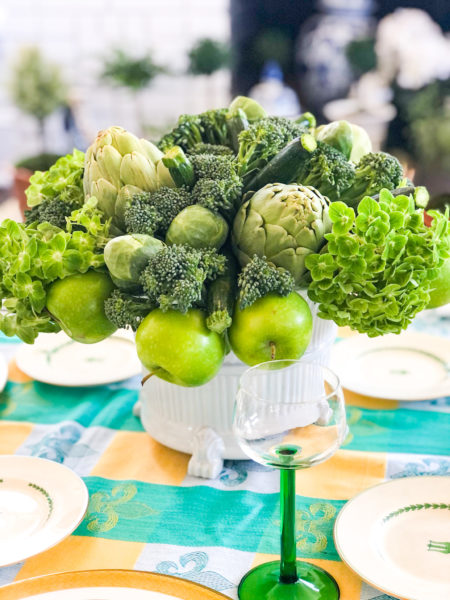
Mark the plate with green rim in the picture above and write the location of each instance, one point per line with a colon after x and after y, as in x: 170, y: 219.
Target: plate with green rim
x: 41, y: 503
x: 56, y: 359
x: 409, y: 367
x: 396, y: 537
x: 108, y: 584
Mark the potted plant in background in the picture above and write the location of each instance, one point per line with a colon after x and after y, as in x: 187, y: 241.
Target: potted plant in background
x: 37, y: 89
x: 134, y: 74
x: 206, y: 57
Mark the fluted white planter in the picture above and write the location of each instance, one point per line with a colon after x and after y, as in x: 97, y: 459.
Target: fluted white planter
x: 198, y: 420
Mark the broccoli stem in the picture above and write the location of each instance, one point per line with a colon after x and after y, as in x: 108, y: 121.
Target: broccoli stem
x: 180, y: 167
x: 237, y: 122
x: 220, y: 299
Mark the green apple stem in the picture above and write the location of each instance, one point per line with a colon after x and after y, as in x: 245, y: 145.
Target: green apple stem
x: 146, y: 378
x: 273, y: 350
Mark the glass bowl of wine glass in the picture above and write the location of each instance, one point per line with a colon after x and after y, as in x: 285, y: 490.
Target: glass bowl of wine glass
x: 289, y: 414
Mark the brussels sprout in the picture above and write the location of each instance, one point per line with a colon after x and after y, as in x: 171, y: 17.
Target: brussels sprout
x: 198, y: 227
x: 361, y: 143
x: 350, y: 139
x: 338, y: 134
x: 127, y: 255
x: 252, y: 109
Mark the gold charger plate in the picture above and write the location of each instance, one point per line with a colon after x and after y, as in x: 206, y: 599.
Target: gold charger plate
x: 108, y: 584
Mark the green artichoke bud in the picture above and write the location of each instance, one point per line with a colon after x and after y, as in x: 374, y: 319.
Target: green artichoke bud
x: 119, y: 159
x: 198, y: 227
x: 283, y: 223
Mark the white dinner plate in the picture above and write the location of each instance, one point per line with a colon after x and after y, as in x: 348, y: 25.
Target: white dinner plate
x: 396, y: 537
x: 41, y: 503
x: 409, y: 366
x: 111, y: 584
x: 58, y: 360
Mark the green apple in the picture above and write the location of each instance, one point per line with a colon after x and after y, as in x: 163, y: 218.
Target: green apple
x: 179, y: 347
x: 273, y: 327
x: 77, y: 303
x: 440, y: 287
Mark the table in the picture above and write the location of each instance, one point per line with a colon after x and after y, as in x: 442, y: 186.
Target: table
x: 146, y: 513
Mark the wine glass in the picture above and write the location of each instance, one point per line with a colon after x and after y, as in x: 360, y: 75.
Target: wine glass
x: 289, y: 414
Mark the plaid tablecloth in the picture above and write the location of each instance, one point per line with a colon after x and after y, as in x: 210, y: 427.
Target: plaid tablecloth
x: 146, y: 513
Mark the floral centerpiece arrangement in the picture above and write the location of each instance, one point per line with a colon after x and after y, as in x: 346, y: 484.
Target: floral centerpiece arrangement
x: 200, y: 243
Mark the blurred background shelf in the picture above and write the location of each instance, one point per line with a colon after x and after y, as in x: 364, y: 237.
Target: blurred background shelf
x: 141, y: 63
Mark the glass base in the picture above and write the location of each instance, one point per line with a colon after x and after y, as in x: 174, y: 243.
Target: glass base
x: 263, y: 583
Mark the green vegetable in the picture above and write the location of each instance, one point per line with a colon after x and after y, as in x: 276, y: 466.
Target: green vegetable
x: 198, y: 227
x: 175, y: 277
x: 127, y: 311
x: 284, y: 223
x: 338, y: 134
x: 218, y: 186
x: 259, y: 278
x: 252, y: 109
x: 33, y: 256
x: 116, y: 159
x: 152, y: 213
x: 284, y: 166
x: 306, y: 119
x: 211, y: 149
x: 378, y: 267
x: 209, y: 127
x: 350, y: 139
x: 211, y: 166
x: 63, y: 181
x: 179, y: 166
x: 262, y: 141
x: 54, y: 211
x: 221, y: 298
x: 241, y: 112
x: 374, y: 172
x: 420, y: 193
x: 327, y: 170
x: 126, y: 256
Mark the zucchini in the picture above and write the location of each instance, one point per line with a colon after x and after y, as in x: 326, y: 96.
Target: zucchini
x: 179, y: 166
x: 420, y: 194
x: 284, y: 166
x: 221, y: 298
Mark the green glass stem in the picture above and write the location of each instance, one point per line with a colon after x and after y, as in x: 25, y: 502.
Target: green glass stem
x: 288, y: 563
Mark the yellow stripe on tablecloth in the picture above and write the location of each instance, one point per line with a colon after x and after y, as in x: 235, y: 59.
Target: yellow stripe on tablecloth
x: 345, y: 474
x: 349, y: 583
x: 136, y: 455
x: 77, y: 553
x: 354, y: 399
x: 15, y: 374
x: 13, y: 435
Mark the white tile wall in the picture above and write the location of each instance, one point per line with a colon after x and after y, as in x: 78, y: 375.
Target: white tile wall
x: 78, y: 33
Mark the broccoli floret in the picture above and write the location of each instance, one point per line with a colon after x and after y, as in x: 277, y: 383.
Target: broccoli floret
x: 52, y: 211
x: 262, y: 141
x: 259, y: 278
x: 220, y: 195
x: 152, y: 212
x: 218, y: 186
x: 174, y: 278
x: 124, y: 310
x: 210, y: 166
x: 375, y: 171
x: 211, y: 149
x: 328, y: 171
x: 209, y: 127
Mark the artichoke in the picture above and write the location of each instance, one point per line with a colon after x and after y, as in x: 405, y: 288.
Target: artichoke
x: 119, y: 165
x: 283, y: 223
